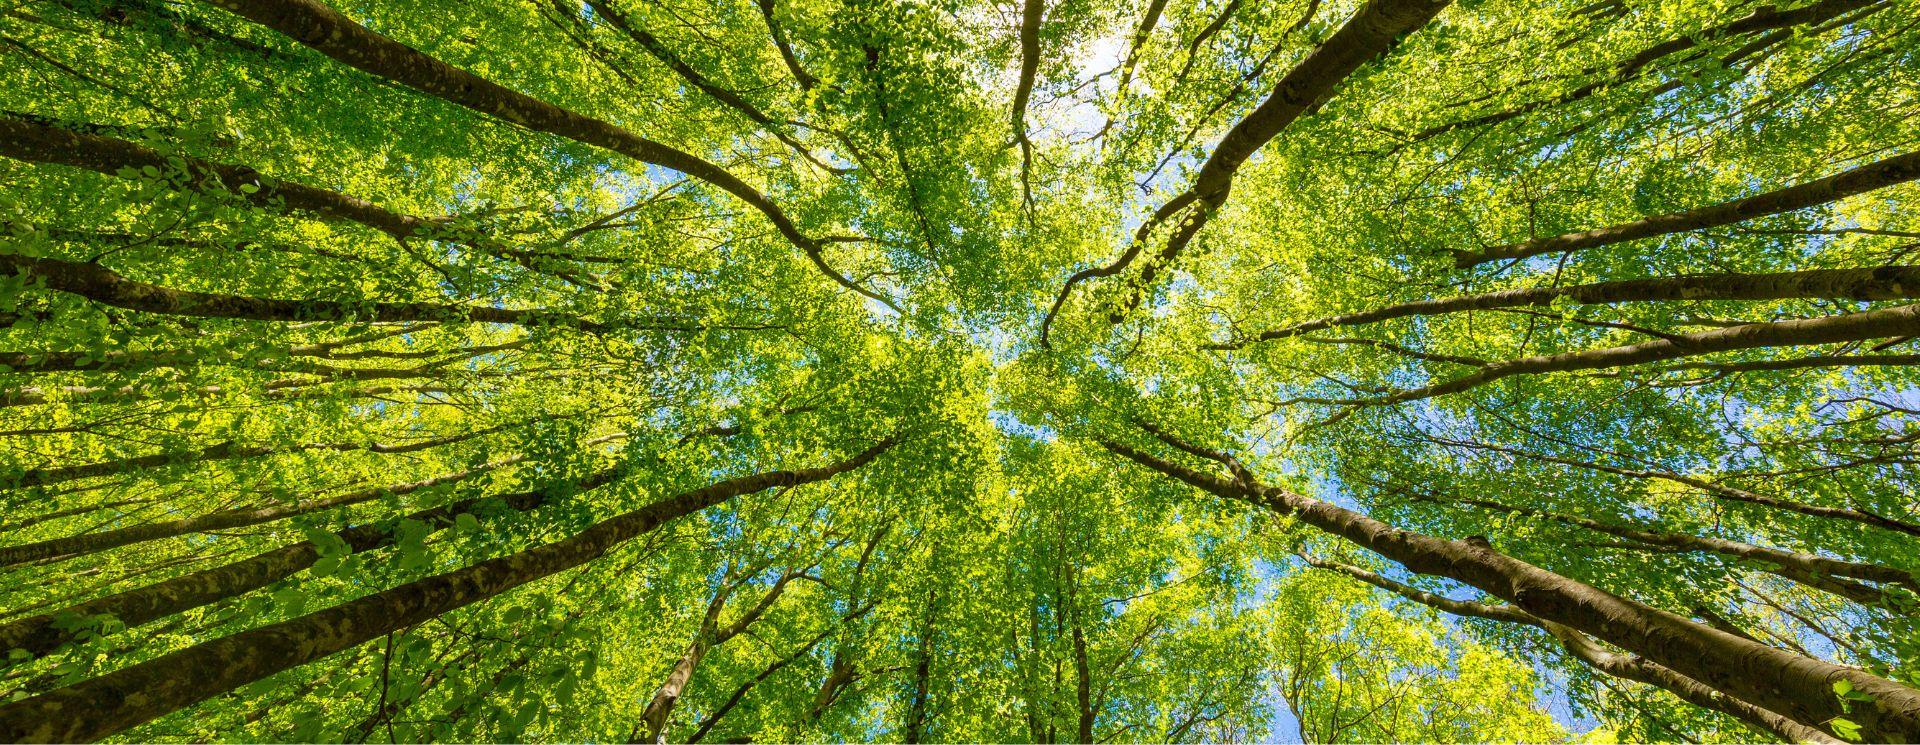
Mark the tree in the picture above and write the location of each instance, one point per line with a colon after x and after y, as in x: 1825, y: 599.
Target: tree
x: 1089, y: 370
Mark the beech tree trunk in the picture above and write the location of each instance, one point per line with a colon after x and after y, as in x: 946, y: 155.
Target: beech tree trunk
x: 108, y: 287
x: 653, y: 720
x: 1877, y: 324
x: 1860, y: 180
x: 102, y: 706
x: 1368, y: 34
x: 327, y: 31
x: 1818, y: 572
x: 39, y: 634
x: 1584, y: 649
x: 1795, y: 686
x: 1875, y: 283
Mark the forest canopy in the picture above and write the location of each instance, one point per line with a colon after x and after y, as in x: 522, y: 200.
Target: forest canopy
x: 950, y: 371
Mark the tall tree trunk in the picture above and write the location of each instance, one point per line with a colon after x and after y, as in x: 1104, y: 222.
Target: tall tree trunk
x: 139, y: 693
x: 108, y: 287
x: 1083, y: 687
x: 86, y: 543
x: 1875, y: 324
x: 333, y: 34
x: 1367, y: 35
x: 1598, y: 657
x: 1818, y: 572
x: 1859, y: 180
x: 1796, y: 686
x: 653, y: 720
x: 1873, y: 283
x: 40, y: 634
x: 923, y: 673
x: 720, y: 712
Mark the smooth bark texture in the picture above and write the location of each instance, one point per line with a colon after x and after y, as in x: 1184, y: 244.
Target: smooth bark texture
x: 41, y: 633
x: 73, y: 546
x: 1367, y: 35
x: 1762, y: 19
x: 1819, y: 572
x: 1879, y: 174
x: 721, y: 711
x: 1876, y: 283
x: 1713, y: 488
x: 325, y: 30
x: 227, y: 451
x: 108, y: 287
x: 659, y: 51
x: 1878, y: 324
x: 1795, y: 686
x: 1594, y: 655
x: 101, y: 706
x: 26, y: 139
x: 652, y: 727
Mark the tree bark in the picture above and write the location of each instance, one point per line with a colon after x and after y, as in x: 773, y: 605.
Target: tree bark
x: 1083, y: 687
x: 1860, y: 180
x: 327, y: 31
x: 659, y: 51
x: 923, y: 674
x: 1367, y: 35
x: 707, y: 725
x: 1817, y: 572
x: 32, y: 139
x: 74, y: 546
x: 108, y: 287
x: 1795, y: 686
x: 1715, y: 489
x: 139, y: 693
x: 224, y: 451
x: 39, y: 634
x: 1584, y: 649
x: 1877, y: 283
x: 1764, y: 19
x: 1877, y: 324
x: 652, y: 727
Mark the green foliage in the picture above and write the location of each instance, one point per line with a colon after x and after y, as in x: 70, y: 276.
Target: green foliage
x: 226, y: 366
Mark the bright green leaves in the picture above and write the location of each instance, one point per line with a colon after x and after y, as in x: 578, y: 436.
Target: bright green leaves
x: 1344, y: 648
x: 1009, y: 542
x: 410, y: 543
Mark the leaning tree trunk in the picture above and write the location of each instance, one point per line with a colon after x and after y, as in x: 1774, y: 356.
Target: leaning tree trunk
x: 1793, y: 685
x: 134, y: 695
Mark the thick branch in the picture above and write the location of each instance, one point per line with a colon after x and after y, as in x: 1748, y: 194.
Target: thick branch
x: 108, y: 287
x: 39, y: 634
x: 1879, y: 324
x: 1818, y: 572
x: 1764, y: 19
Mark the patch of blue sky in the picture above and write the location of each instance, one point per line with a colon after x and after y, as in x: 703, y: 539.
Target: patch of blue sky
x: 1010, y: 424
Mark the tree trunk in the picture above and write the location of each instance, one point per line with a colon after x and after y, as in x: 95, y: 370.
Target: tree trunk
x: 653, y: 720
x: 1876, y: 175
x: 39, y: 634
x: 1796, y: 686
x: 1876, y: 283
x: 1599, y: 658
x: 137, y: 694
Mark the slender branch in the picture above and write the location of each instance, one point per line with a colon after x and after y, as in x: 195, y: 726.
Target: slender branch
x: 1879, y: 174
